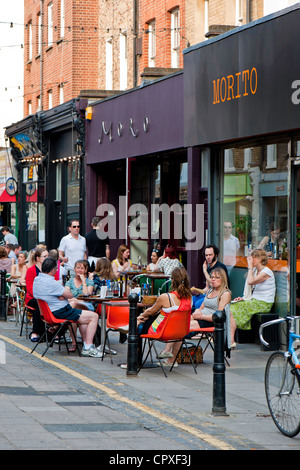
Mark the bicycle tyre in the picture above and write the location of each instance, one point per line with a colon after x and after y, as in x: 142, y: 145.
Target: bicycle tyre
x: 283, y: 398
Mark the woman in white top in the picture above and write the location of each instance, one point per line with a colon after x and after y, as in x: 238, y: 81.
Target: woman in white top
x: 263, y: 292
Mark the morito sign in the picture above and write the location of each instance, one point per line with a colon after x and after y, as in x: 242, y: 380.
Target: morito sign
x: 244, y: 83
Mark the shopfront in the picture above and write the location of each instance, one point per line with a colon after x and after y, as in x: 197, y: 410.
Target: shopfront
x: 242, y: 108
x: 136, y: 161
x: 47, y: 150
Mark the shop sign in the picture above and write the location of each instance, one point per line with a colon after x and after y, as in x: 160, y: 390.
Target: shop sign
x: 244, y: 83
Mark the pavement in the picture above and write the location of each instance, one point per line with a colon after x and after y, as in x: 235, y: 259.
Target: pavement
x: 67, y: 402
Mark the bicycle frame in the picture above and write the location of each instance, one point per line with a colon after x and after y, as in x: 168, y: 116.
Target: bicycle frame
x: 292, y: 336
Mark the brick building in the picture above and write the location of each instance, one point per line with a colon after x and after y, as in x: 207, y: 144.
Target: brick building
x: 61, y: 44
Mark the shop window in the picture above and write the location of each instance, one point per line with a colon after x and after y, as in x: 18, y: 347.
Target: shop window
x: 254, y: 213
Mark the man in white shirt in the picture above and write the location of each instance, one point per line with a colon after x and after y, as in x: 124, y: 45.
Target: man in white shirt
x: 46, y: 288
x: 230, y: 247
x: 8, y: 236
x: 72, y: 247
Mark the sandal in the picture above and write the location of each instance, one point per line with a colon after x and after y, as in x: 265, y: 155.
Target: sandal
x: 73, y: 348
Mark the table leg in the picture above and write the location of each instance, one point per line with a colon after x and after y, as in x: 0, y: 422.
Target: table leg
x: 103, y: 325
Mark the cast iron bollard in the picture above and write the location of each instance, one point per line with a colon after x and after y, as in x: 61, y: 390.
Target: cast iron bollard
x: 219, y: 404
x: 132, y: 352
x: 3, y: 296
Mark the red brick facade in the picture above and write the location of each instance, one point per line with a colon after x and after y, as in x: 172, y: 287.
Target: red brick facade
x: 70, y: 61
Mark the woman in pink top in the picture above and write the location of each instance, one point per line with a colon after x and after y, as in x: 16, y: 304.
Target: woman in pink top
x: 180, y: 298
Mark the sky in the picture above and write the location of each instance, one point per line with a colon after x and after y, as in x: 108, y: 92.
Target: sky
x: 11, y: 63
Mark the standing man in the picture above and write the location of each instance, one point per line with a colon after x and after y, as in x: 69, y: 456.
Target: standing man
x: 72, y: 247
x: 46, y: 288
x: 230, y: 247
x: 97, y: 242
x: 8, y: 236
x: 211, y: 262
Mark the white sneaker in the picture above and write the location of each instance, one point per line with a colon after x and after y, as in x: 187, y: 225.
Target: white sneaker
x: 110, y: 351
x: 165, y: 354
x: 91, y: 352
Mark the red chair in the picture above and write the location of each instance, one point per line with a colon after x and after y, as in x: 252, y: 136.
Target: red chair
x: 116, y: 318
x: 174, y: 328
x: 50, y: 321
x: 208, y: 334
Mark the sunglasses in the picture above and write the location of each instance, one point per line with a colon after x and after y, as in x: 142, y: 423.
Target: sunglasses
x: 75, y: 226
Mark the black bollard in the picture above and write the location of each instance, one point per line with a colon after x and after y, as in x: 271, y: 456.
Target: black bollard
x: 132, y: 351
x: 3, y: 296
x: 219, y: 402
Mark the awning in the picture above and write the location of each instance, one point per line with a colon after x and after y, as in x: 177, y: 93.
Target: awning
x: 5, y: 197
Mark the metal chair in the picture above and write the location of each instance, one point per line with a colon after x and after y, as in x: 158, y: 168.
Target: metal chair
x: 208, y: 334
x: 50, y: 321
x: 174, y: 328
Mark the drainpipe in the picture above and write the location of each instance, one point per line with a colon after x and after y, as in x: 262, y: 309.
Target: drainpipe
x: 41, y: 55
x: 134, y: 42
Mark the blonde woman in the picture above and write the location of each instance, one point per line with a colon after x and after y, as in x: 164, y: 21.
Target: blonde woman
x: 263, y: 292
x: 217, y: 297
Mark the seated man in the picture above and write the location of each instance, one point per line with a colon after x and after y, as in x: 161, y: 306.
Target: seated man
x: 46, y: 288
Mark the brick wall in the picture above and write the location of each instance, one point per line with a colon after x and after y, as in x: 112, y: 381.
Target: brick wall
x: 71, y: 60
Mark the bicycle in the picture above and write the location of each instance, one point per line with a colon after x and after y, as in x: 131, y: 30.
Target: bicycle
x: 282, y: 380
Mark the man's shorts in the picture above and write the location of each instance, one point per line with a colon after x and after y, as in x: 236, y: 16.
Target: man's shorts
x: 67, y: 313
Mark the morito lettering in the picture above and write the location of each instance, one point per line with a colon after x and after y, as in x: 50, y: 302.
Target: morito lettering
x: 235, y: 86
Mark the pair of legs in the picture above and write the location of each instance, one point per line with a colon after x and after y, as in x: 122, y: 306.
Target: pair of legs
x: 87, y: 322
x: 173, y: 349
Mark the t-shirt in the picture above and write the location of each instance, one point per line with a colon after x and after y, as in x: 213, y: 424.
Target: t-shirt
x: 46, y: 288
x: 11, y: 239
x: 73, y: 248
x: 95, y: 245
x: 221, y: 266
x: 265, y: 290
x: 76, y: 291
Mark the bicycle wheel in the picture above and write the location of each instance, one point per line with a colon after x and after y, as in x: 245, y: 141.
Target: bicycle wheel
x: 282, y: 393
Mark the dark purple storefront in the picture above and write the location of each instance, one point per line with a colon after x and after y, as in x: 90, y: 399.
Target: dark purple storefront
x: 135, y: 150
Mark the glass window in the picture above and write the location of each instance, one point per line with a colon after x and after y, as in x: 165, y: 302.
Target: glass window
x: 50, y: 24
x: 73, y: 189
x: 109, y: 65
x: 151, y: 44
x: 175, y: 38
x: 254, y: 213
x: 123, y: 60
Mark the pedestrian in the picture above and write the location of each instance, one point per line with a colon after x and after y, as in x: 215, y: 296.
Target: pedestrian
x: 8, y: 236
x: 97, y: 243
x: 72, y: 247
x: 46, y: 288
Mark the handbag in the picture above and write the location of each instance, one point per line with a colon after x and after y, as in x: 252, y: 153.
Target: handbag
x: 195, y: 352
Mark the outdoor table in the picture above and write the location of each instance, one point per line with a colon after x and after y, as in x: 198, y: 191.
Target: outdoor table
x: 98, y: 299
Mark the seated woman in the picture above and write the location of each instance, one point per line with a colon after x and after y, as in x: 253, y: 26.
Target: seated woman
x: 122, y: 261
x: 18, y: 271
x: 81, y: 285
x: 168, y: 261
x: 263, y: 294
x: 5, y: 262
x: 154, y: 259
x: 216, y: 298
x: 103, y: 271
x: 180, y: 298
